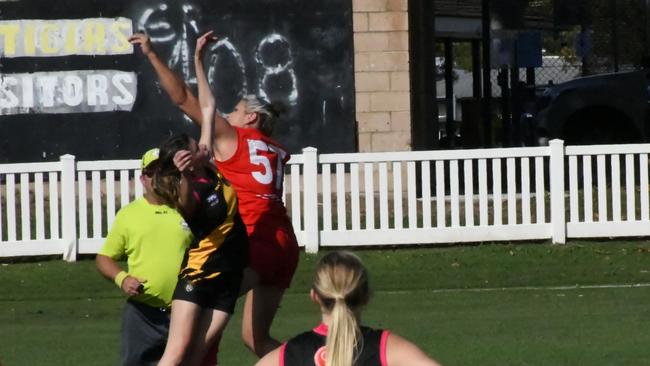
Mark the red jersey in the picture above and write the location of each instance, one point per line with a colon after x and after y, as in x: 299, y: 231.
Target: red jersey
x: 256, y: 171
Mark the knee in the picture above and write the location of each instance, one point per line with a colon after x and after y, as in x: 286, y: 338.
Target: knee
x: 249, y: 340
x: 256, y: 343
x: 174, y: 356
x: 170, y: 360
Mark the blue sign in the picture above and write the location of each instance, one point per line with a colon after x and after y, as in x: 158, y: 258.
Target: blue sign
x: 529, y: 49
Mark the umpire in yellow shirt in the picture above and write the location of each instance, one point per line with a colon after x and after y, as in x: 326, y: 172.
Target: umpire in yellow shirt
x: 153, y: 237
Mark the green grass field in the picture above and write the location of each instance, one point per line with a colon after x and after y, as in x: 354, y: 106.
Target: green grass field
x: 525, y: 304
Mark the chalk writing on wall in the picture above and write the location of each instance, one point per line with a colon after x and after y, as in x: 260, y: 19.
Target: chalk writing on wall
x: 157, y: 22
x: 294, y: 53
x: 174, y: 27
x: 276, y: 76
x: 274, y: 57
x: 224, y: 49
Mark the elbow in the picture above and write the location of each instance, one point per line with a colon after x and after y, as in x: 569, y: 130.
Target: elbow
x: 212, y: 103
x: 180, y: 93
x: 209, y: 107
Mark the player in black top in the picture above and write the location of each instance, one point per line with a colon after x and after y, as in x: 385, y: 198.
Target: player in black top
x: 341, y: 289
x: 310, y: 347
x: 212, y: 272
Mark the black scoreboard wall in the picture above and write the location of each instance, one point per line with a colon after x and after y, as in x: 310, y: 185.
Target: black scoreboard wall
x: 70, y: 83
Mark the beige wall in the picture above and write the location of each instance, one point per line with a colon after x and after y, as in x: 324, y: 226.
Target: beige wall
x: 382, y: 74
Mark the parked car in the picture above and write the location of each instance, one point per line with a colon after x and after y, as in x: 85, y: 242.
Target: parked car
x: 600, y: 109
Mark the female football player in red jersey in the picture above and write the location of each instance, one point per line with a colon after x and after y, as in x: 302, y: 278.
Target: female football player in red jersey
x: 254, y: 164
x: 340, y: 288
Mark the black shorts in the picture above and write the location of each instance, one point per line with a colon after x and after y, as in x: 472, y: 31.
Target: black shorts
x: 220, y: 292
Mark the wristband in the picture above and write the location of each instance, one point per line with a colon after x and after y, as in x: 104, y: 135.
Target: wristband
x: 119, y: 278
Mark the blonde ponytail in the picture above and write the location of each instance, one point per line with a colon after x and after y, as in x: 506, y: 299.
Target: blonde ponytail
x: 342, y: 336
x: 341, y: 284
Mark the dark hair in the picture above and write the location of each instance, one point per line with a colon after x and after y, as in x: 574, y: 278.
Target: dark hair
x: 166, y: 177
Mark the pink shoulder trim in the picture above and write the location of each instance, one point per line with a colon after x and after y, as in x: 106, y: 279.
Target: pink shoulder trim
x: 282, y: 347
x: 382, y: 348
x: 321, y: 329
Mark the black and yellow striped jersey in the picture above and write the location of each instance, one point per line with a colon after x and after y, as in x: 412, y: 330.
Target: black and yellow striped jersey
x: 221, y: 242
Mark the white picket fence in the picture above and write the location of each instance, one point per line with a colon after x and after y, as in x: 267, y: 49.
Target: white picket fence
x: 360, y: 199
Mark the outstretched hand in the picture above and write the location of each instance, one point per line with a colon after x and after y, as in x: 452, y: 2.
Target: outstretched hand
x: 206, y: 38
x: 142, y: 39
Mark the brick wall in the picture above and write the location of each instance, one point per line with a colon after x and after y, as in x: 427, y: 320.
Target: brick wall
x: 382, y: 74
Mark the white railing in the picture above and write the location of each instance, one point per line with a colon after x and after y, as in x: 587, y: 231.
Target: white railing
x: 447, y: 208
x: 101, y: 197
x: 36, y: 236
x: 610, y: 218
x: 364, y: 198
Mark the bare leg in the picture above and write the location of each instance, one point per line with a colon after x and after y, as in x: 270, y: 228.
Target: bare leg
x: 191, y: 327
x: 217, y: 321
x: 261, y: 305
x: 249, y: 280
x: 210, y: 358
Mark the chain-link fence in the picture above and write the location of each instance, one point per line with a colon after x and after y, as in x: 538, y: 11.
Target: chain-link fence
x: 585, y: 37
x: 578, y: 38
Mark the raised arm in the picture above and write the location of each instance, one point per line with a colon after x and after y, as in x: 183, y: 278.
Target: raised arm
x: 206, y: 99
x: 183, y: 97
x: 224, y: 141
x: 179, y: 92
